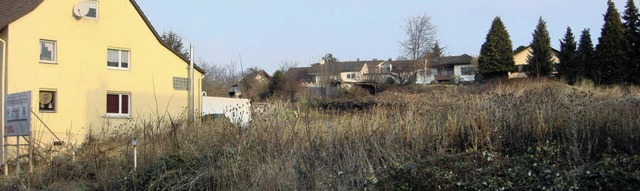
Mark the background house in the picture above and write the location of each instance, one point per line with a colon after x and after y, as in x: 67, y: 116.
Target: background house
x: 343, y: 72
x: 91, y: 65
x: 454, y: 69
x: 520, y: 56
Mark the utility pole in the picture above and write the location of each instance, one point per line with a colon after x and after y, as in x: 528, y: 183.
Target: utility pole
x: 191, y: 86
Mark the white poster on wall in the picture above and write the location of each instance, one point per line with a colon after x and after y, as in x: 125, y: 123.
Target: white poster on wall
x: 17, y: 114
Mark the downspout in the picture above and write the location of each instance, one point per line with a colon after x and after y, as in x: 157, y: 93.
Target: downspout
x: 201, y: 94
x: 4, y: 92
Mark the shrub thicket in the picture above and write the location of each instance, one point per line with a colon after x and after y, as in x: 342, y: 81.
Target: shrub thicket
x: 523, y: 135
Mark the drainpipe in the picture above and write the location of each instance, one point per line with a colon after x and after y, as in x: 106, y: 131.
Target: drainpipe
x: 201, y: 94
x: 4, y: 92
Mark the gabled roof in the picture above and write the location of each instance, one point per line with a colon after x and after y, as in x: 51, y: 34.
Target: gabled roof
x: 155, y: 33
x: 455, y: 60
x: 402, y: 65
x: 523, y: 48
x: 339, y: 67
x: 300, y: 74
x: 12, y: 10
x: 260, y: 72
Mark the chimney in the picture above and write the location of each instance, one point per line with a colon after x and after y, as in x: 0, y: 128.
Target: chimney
x: 234, y: 92
x: 390, y: 60
x: 358, y: 59
x: 375, y: 59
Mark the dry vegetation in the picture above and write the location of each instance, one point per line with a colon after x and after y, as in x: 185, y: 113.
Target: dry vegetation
x: 517, y: 135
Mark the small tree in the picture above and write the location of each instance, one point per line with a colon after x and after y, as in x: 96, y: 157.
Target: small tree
x: 611, y: 51
x: 496, y: 54
x: 585, y: 54
x: 569, y: 66
x: 421, y: 34
x: 277, y: 84
x: 433, y: 57
x: 329, y: 58
x: 540, y: 60
x: 174, y: 41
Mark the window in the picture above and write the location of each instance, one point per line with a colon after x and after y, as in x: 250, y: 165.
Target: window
x: 118, y: 105
x: 351, y: 76
x: 93, y: 10
x: 520, y: 68
x: 467, y: 70
x: 48, y: 51
x: 47, y: 102
x: 118, y: 59
x: 180, y: 83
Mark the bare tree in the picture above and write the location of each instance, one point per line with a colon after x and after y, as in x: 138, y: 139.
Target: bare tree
x: 421, y: 35
x: 220, y: 78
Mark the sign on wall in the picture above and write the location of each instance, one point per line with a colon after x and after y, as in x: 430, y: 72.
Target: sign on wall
x: 17, y: 114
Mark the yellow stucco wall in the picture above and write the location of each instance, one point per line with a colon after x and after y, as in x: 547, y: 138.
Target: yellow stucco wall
x: 81, y: 77
x: 520, y: 59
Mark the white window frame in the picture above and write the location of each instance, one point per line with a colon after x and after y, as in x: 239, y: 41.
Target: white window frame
x: 54, y: 53
x: 119, y: 114
x: 119, y: 67
x: 180, y: 81
x: 93, y: 2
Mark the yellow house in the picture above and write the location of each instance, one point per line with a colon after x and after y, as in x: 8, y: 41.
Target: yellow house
x: 520, y: 58
x: 91, y: 65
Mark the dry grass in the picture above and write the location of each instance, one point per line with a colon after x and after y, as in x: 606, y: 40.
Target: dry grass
x: 300, y: 147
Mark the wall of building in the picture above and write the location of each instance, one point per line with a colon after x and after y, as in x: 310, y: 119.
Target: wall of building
x: 236, y: 110
x: 81, y: 77
x: 520, y: 60
x: 457, y: 72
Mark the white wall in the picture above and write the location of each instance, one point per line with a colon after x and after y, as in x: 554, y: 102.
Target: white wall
x: 420, y: 79
x: 236, y: 110
x: 457, y: 71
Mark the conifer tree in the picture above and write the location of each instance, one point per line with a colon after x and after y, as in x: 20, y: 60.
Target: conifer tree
x: 585, y: 54
x: 540, y: 62
x: 496, y: 54
x: 612, y: 50
x: 569, y: 68
x: 435, y: 54
x: 632, y: 32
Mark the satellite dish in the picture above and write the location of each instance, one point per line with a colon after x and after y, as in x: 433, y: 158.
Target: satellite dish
x: 46, y: 97
x: 80, y: 9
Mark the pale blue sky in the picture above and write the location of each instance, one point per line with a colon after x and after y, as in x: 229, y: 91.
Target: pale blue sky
x: 265, y: 33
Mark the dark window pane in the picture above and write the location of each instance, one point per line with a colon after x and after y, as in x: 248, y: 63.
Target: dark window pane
x: 112, y: 64
x: 92, y: 13
x: 113, y: 101
x: 125, y: 104
x: 124, y: 65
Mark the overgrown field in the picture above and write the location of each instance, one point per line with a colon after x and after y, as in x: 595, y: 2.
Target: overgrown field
x: 514, y: 136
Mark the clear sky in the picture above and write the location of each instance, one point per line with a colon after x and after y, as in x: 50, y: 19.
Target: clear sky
x: 264, y: 33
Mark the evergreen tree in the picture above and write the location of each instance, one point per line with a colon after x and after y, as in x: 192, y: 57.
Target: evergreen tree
x: 435, y: 54
x: 611, y: 52
x: 174, y: 41
x: 540, y: 62
x: 585, y: 55
x: 496, y: 54
x: 276, y: 85
x: 632, y: 32
x: 569, y: 66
